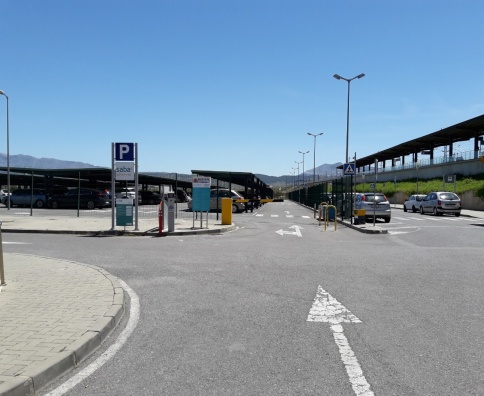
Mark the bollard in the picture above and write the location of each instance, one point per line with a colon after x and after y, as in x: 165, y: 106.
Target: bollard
x: 160, y: 219
x: 2, y: 272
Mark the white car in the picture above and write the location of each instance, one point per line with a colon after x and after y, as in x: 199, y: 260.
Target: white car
x: 413, y: 202
x: 128, y: 192
x: 375, y: 204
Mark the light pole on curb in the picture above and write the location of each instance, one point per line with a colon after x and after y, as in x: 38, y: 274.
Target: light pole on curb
x: 348, y: 80
x: 8, y: 154
x: 303, y: 153
x: 347, y: 160
x: 314, y: 162
x: 298, y: 189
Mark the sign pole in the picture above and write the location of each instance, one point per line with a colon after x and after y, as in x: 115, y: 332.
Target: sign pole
x: 113, y: 192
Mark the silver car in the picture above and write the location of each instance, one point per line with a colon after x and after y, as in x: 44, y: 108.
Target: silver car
x: 413, y: 202
x: 440, y: 202
x: 375, y: 204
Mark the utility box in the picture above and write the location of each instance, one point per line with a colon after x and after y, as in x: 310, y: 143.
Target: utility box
x: 359, y: 216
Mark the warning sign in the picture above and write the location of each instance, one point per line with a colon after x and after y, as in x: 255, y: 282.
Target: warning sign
x: 349, y: 169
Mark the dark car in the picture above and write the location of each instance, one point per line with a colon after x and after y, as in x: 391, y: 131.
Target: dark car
x: 83, y: 198
x: 26, y: 197
x: 150, y: 197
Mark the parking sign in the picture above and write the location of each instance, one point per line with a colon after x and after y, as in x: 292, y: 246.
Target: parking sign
x: 124, y: 152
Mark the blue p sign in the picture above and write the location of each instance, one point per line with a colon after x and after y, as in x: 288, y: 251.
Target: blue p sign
x: 124, y: 152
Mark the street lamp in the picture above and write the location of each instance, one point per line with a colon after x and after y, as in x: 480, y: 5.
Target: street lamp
x: 314, y: 164
x: 303, y: 153
x: 298, y: 189
x: 8, y: 154
x: 348, y: 80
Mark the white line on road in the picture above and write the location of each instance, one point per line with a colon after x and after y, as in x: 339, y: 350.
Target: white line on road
x: 327, y: 309
x: 111, y: 351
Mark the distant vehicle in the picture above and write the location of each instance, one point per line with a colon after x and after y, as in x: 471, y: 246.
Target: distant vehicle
x: 128, y: 192
x: 413, y: 202
x: 375, y: 204
x: 182, y: 196
x: 223, y: 193
x: 440, y: 202
x: 26, y: 197
x: 84, y: 198
x: 150, y: 197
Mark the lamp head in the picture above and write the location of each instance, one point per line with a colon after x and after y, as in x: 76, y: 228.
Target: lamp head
x: 337, y: 76
x: 360, y: 75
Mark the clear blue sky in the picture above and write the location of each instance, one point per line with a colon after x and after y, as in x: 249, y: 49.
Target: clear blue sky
x: 234, y: 85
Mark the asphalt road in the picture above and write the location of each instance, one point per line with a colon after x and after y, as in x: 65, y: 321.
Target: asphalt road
x: 228, y: 314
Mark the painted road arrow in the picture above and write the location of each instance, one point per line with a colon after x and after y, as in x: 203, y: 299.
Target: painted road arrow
x: 297, y: 231
x: 329, y: 310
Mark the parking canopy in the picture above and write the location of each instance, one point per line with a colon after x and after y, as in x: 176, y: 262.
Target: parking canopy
x: 249, y: 184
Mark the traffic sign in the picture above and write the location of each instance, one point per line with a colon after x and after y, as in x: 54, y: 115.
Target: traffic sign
x: 349, y: 169
x: 124, y: 152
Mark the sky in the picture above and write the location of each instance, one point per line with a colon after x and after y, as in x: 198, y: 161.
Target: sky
x: 235, y: 85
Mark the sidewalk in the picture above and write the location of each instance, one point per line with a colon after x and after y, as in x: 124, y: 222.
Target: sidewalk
x: 12, y: 222
x: 54, y: 313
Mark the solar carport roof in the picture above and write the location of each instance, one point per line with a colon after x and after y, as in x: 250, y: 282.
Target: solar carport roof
x: 464, y: 131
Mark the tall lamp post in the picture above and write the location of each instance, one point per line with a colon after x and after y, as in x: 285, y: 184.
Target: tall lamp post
x: 314, y: 163
x: 303, y: 153
x: 8, y: 154
x: 348, y: 80
x: 298, y: 189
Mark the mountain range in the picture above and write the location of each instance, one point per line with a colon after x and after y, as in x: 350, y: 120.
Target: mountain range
x: 27, y: 161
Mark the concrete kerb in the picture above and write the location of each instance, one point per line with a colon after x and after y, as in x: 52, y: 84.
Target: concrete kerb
x: 36, y: 378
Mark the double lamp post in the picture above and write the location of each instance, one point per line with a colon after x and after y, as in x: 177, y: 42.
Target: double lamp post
x: 8, y: 154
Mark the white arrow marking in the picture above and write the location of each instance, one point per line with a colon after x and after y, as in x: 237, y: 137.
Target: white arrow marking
x: 329, y: 310
x: 296, y: 232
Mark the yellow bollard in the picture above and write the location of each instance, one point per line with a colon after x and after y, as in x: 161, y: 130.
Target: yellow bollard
x: 226, y: 211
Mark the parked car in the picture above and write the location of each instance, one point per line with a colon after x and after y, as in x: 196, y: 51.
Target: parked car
x: 440, y: 202
x: 223, y: 193
x: 413, y: 202
x: 375, y: 204
x: 26, y: 197
x: 182, y: 196
x: 149, y: 197
x: 128, y: 192
x: 84, y: 198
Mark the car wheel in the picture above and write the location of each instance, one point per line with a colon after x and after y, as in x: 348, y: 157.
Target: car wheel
x: 54, y: 205
x: 457, y: 214
x: 235, y: 209
x: 435, y: 212
x: 387, y: 219
x: 421, y: 210
x: 90, y: 205
x: 414, y: 209
x: 39, y: 203
x: 404, y: 208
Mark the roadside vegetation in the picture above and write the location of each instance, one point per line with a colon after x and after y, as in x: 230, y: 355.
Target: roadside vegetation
x: 409, y: 187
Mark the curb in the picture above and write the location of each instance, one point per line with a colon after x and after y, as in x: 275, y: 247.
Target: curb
x: 122, y: 233
x: 34, y: 379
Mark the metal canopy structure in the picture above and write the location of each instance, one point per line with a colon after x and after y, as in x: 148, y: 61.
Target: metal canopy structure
x: 87, y: 177
x: 252, y: 185
x: 464, y: 131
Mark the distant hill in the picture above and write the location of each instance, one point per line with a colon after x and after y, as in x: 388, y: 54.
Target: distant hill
x: 26, y: 161
x: 322, y: 170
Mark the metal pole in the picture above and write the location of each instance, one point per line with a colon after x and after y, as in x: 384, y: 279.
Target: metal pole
x: 2, y: 272
x: 8, y: 151
x: 374, y: 192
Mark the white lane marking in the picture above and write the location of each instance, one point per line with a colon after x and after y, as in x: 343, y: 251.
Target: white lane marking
x: 416, y: 218
x: 327, y: 309
x: 259, y: 215
x: 274, y: 215
x: 290, y: 216
x: 16, y: 243
x: 305, y: 217
x: 297, y: 231
x: 111, y: 351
